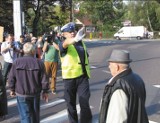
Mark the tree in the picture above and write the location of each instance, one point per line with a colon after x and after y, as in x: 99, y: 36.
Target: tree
x: 144, y: 13
x: 44, y: 15
x: 6, y: 11
x: 153, y: 15
x: 104, y: 14
x: 43, y: 12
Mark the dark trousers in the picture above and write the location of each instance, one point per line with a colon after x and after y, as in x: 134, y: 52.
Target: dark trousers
x: 6, y: 68
x: 29, y: 109
x: 73, y: 87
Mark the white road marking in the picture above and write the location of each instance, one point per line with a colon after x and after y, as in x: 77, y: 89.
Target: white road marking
x: 157, y: 86
x: 8, y: 91
x: 96, y: 121
x: 44, y: 106
x: 12, y: 102
x: 53, y: 103
x: 59, y: 78
x: 59, y: 117
x: 92, y: 67
x: 106, y: 71
x: 152, y: 122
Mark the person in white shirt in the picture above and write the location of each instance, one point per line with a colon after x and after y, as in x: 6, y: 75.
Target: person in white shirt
x: 9, y: 52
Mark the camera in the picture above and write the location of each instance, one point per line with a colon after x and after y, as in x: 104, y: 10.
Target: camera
x: 50, y: 37
x: 12, y: 45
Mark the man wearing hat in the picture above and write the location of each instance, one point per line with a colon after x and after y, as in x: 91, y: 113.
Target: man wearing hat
x: 75, y: 73
x: 124, y: 96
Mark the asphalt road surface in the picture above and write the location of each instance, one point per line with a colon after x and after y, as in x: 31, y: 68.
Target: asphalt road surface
x: 146, y: 62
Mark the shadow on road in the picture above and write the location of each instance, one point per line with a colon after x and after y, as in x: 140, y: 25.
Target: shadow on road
x: 152, y: 58
x: 153, y: 109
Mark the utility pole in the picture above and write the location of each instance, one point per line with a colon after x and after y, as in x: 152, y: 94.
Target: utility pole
x: 17, y: 18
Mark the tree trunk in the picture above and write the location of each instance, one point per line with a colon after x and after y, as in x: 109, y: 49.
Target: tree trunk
x: 35, y: 23
x: 149, y: 22
x: 36, y: 19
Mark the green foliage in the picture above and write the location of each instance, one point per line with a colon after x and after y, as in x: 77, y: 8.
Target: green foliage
x: 107, y: 15
x: 104, y: 14
x: 45, y: 15
x: 144, y: 13
x: 6, y: 18
x: 154, y: 9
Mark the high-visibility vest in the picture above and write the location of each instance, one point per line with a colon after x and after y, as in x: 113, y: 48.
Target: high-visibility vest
x: 71, y: 64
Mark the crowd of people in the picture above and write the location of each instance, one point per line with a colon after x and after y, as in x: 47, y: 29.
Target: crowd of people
x: 26, y: 73
x: 30, y: 70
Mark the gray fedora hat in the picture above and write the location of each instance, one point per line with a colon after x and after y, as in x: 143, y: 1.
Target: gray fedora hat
x: 120, y: 56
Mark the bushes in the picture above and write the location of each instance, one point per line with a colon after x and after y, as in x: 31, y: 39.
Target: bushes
x: 105, y: 34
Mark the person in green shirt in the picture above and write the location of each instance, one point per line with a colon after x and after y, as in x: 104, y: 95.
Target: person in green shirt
x: 50, y: 50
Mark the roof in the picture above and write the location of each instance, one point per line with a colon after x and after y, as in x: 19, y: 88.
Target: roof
x: 86, y: 21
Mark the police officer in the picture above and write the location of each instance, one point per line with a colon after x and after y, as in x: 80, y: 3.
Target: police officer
x: 75, y: 73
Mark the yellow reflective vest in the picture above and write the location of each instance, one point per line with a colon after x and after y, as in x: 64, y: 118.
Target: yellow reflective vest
x: 71, y: 64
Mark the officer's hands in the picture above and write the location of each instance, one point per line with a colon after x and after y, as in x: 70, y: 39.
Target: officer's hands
x: 80, y: 35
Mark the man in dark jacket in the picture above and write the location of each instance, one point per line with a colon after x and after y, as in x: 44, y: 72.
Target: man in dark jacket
x: 27, y: 79
x: 124, y: 96
x: 3, y: 99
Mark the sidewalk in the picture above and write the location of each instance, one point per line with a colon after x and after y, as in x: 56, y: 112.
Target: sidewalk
x: 97, y: 39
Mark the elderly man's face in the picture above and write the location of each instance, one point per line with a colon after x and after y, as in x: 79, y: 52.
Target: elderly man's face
x: 113, y: 68
x: 34, y: 41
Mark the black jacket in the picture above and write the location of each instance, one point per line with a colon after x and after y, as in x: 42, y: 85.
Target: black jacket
x: 134, y: 88
x: 28, y: 76
x: 3, y: 98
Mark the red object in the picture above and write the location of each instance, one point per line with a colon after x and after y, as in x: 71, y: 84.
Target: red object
x: 100, y: 35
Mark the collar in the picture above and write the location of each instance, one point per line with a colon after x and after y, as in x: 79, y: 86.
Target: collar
x: 28, y: 55
x: 123, y: 73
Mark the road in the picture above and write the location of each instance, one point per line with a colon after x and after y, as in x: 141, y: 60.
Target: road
x: 146, y: 61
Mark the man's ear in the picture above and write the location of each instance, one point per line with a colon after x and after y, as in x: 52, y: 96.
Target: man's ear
x: 33, y: 52
x: 117, y: 67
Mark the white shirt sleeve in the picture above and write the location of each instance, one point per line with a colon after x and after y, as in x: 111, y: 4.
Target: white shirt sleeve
x: 3, y: 45
x: 118, y: 108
